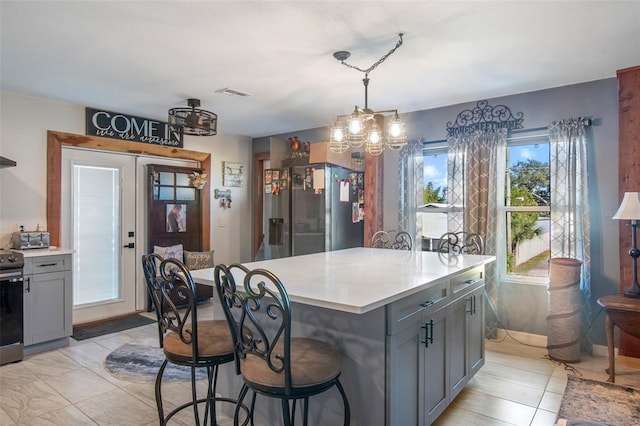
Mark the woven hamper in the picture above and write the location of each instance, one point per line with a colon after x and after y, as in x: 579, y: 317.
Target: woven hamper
x: 563, y: 314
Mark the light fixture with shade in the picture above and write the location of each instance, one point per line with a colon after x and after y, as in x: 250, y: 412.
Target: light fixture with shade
x: 366, y: 126
x: 630, y: 210
x: 193, y: 120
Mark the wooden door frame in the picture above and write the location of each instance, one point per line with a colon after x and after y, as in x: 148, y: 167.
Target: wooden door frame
x: 258, y: 199
x: 57, y: 140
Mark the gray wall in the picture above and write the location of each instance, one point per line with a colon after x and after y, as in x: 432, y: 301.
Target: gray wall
x: 523, y: 307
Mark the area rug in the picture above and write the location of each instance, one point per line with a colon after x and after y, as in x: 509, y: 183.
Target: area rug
x: 593, y: 402
x: 110, y: 326
x: 139, y: 363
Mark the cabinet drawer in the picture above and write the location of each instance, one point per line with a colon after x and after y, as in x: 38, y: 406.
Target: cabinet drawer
x: 46, y: 264
x: 405, y: 312
x: 466, y: 282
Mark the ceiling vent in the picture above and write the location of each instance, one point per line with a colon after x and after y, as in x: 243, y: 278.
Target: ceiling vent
x: 232, y: 92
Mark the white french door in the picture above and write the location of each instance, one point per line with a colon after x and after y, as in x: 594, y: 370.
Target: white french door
x: 104, y: 220
x: 99, y: 215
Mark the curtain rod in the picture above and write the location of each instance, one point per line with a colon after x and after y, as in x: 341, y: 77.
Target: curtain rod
x: 585, y: 122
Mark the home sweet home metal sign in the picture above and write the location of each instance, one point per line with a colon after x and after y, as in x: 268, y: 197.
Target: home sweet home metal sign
x: 486, y: 118
x: 126, y: 127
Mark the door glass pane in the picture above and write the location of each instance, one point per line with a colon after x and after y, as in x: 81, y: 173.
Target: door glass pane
x: 167, y: 178
x: 166, y: 193
x: 96, y: 221
x: 182, y: 179
x: 185, y: 194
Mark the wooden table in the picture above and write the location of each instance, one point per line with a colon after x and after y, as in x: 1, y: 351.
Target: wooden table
x: 623, y: 312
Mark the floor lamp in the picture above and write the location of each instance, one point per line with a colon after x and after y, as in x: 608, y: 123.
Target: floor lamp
x: 630, y: 210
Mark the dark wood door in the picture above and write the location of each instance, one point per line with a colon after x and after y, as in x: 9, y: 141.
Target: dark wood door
x: 174, y: 208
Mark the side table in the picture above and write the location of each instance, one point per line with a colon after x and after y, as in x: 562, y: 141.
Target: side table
x: 623, y: 312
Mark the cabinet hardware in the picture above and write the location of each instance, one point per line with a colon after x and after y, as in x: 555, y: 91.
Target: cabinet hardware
x: 28, y: 280
x: 45, y: 265
x: 428, y: 333
x: 427, y: 303
x: 474, y: 304
x: 130, y: 245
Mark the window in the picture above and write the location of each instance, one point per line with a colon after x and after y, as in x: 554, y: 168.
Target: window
x: 524, y: 253
x: 432, y: 208
x: 526, y: 211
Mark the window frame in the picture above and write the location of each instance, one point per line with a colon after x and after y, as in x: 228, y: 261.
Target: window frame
x: 529, y: 137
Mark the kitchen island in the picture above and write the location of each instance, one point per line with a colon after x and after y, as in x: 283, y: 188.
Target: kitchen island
x: 409, y: 324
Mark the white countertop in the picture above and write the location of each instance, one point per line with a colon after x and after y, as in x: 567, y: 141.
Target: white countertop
x: 358, y: 280
x: 51, y: 251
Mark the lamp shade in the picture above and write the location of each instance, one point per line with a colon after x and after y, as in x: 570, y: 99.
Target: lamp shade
x: 629, y: 208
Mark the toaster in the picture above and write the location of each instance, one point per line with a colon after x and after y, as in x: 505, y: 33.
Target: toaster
x: 29, y: 240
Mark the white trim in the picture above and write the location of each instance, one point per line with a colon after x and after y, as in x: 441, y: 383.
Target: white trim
x: 522, y: 337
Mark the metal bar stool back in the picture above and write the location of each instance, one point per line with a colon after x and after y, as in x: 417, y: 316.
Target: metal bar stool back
x: 271, y: 361
x: 184, y: 339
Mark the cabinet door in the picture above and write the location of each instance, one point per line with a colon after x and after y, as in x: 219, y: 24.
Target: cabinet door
x: 458, y: 356
x: 475, y: 323
x: 46, y: 298
x: 406, y: 376
x: 436, y: 384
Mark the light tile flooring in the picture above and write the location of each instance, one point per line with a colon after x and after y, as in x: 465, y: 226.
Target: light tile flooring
x: 70, y: 386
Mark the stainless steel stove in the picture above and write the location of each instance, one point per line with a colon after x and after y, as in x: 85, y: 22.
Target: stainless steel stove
x: 11, y: 306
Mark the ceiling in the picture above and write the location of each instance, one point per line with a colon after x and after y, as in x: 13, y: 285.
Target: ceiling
x: 144, y: 57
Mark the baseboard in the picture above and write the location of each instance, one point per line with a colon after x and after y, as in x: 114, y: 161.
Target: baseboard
x: 602, y: 350
x: 541, y: 341
x: 522, y: 337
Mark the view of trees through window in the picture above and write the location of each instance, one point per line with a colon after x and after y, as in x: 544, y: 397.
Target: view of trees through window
x: 526, y: 207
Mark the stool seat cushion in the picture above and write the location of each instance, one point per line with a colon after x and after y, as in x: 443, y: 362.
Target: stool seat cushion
x: 312, y: 363
x: 214, y: 339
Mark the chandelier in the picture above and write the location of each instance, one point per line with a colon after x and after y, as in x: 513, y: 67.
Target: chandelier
x: 365, y: 126
x: 193, y: 120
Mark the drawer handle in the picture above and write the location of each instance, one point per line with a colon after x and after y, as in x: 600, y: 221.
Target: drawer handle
x: 427, y: 303
x: 28, y: 280
x: 472, y: 305
x: 44, y: 265
x: 428, y: 330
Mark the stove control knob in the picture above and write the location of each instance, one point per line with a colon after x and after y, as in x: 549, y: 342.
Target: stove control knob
x: 12, y: 258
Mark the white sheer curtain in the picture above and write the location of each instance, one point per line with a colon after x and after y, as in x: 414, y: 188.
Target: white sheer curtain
x: 411, y: 179
x: 570, y: 224
x: 474, y: 188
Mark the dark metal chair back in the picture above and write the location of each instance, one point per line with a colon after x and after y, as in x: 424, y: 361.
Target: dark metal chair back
x: 461, y: 242
x: 170, y: 276
x: 383, y: 239
x: 259, y: 313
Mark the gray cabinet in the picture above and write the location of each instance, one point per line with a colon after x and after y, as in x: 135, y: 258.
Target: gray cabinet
x: 47, y: 302
x: 435, y: 344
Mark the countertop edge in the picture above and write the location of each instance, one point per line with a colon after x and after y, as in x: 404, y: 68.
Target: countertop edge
x: 44, y: 252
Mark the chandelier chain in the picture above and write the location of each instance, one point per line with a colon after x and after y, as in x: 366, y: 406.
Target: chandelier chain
x: 381, y: 60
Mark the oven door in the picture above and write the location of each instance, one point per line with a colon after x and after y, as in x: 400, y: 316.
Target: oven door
x: 11, y: 317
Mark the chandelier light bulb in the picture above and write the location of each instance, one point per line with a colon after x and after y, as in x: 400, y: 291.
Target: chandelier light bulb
x: 374, y: 134
x: 394, y: 129
x: 338, y: 134
x: 355, y: 126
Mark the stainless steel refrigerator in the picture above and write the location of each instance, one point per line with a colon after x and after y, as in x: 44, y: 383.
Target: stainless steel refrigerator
x: 311, y: 209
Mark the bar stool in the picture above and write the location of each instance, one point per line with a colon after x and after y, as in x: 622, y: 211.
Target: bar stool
x: 185, y: 340
x: 272, y: 362
x: 461, y: 242
x: 382, y: 239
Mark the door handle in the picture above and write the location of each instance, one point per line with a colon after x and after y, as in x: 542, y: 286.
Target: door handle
x: 130, y: 245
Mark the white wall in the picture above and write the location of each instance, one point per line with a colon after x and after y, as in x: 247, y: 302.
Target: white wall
x: 24, y: 122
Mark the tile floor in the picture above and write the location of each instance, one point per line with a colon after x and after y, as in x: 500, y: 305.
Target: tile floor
x: 70, y: 386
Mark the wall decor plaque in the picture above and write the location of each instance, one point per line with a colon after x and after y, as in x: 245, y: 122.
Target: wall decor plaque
x: 484, y: 117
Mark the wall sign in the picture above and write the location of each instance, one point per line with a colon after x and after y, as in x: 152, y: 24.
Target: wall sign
x: 484, y: 117
x: 126, y: 127
x: 233, y: 175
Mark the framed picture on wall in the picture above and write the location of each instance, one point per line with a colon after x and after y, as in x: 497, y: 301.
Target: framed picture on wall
x: 176, y: 218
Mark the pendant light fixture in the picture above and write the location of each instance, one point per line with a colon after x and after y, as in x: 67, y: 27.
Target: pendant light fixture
x: 193, y: 120
x: 366, y: 126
